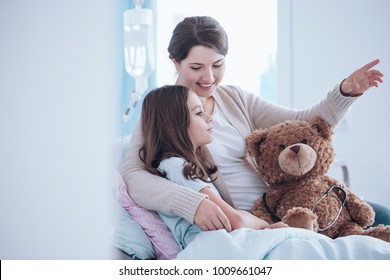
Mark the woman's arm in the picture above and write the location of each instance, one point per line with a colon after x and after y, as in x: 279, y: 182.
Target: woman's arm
x: 157, y: 193
x: 154, y: 192
x: 333, y: 108
x: 336, y: 104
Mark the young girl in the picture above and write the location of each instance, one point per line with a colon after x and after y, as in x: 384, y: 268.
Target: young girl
x: 175, y: 126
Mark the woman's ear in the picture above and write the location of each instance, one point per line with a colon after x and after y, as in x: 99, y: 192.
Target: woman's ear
x: 177, y: 64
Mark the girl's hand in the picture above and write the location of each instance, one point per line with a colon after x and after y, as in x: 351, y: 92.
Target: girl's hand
x: 361, y: 80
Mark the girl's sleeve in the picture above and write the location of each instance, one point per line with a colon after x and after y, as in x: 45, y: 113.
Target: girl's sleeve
x: 174, y: 171
x: 154, y: 192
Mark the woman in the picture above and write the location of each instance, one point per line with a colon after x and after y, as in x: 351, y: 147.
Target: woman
x: 174, y: 115
x: 197, y: 49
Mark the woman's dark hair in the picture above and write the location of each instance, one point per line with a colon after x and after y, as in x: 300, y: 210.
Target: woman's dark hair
x: 197, y: 31
x: 165, y: 120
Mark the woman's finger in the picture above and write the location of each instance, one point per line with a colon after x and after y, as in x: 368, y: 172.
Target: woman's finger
x: 368, y: 66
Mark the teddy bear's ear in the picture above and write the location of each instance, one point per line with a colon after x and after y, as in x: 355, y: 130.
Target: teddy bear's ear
x: 254, y: 141
x: 323, y: 127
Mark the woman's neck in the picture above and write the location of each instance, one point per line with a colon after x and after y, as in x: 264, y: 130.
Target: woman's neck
x: 208, y: 104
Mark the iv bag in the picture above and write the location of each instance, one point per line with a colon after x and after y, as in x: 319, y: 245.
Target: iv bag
x: 138, y: 46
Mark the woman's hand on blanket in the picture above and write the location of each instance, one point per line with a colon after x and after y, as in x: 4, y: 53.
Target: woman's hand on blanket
x: 278, y: 225
x: 361, y: 80
x: 248, y: 220
x: 209, y: 216
x: 214, y: 213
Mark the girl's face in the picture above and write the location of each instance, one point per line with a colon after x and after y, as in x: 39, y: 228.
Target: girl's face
x: 202, y: 70
x: 200, y: 128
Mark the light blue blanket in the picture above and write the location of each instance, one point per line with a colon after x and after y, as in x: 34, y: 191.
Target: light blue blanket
x: 282, y: 244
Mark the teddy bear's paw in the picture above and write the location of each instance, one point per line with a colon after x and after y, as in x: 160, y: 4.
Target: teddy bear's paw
x: 300, y: 217
x: 381, y: 232
x: 362, y: 214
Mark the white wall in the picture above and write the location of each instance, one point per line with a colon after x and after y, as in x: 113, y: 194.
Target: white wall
x: 320, y: 43
x: 59, y: 83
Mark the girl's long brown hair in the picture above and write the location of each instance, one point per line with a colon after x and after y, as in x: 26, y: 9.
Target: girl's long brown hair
x: 165, y: 121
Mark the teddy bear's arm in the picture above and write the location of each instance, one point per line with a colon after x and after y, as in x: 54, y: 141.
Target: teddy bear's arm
x: 359, y: 210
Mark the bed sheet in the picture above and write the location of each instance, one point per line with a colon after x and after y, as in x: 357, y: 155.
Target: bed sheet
x: 282, y: 244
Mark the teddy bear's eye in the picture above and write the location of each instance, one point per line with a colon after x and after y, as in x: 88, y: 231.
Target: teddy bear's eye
x: 304, y: 141
x: 282, y: 147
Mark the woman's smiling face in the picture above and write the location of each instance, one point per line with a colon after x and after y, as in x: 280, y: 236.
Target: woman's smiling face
x: 201, y: 71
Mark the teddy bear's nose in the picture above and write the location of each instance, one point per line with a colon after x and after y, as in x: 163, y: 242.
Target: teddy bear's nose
x: 295, y: 148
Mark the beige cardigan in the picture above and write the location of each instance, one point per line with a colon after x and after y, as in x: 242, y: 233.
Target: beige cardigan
x: 246, y: 112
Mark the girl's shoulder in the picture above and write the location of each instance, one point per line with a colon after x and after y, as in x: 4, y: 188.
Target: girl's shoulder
x: 172, y: 163
x: 173, y: 168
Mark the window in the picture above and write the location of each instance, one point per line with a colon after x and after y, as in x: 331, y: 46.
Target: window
x: 252, y: 29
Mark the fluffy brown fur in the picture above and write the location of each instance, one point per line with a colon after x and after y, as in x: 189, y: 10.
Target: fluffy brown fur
x: 294, y: 158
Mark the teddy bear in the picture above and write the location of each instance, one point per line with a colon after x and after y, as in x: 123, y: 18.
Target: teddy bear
x: 293, y: 158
